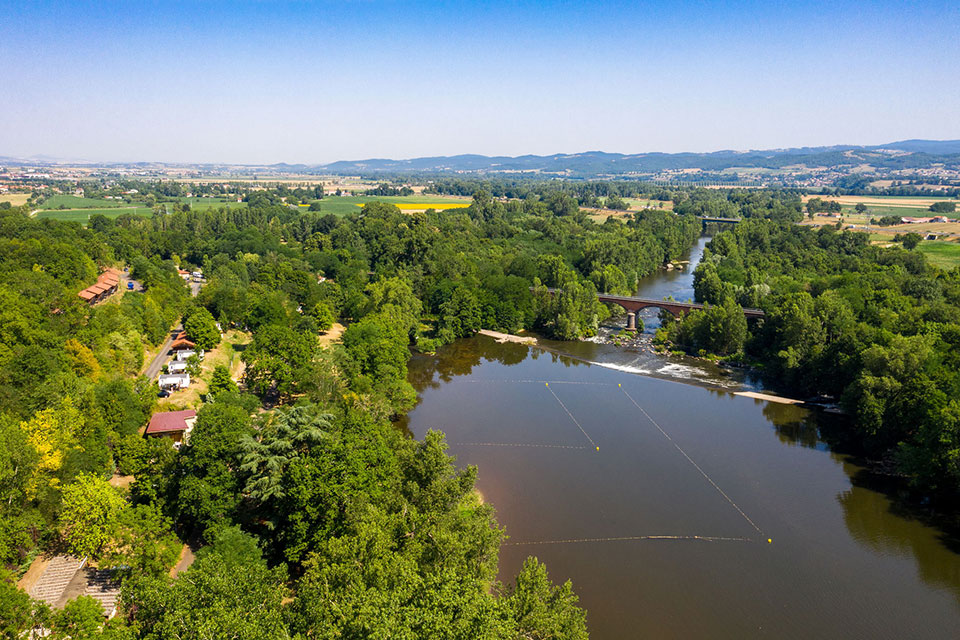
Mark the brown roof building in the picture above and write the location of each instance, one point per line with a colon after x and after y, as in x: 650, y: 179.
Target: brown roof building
x: 176, y: 425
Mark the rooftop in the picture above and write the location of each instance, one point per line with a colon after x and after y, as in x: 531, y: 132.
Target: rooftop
x: 171, y: 421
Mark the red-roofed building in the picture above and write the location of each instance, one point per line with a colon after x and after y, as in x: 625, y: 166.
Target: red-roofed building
x: 182, y: 344
x: 175, y: 425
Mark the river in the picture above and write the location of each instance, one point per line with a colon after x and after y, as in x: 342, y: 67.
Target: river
x: 676, y: 508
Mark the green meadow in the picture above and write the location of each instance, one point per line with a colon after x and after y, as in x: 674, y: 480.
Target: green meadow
x: 76, y: 202
x: 945, y: 255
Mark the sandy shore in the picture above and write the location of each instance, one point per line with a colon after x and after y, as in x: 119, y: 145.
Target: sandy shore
x: 507, y: 337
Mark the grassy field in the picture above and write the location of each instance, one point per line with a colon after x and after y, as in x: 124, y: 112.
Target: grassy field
x: 83, y: 215
x: 202, y: 204
x: 641, y: 203
x: 945, y: 255
x: 343, y: 205
x: 76, y: 202
x: 15, y: 199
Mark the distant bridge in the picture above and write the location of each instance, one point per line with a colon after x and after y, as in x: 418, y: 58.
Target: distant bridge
x: 706, y: 219
x: 633, y: 305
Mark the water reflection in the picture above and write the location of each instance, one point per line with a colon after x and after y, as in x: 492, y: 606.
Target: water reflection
x: 889, y: 525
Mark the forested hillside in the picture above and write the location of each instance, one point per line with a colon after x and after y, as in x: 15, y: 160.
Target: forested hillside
x: 314, y: 515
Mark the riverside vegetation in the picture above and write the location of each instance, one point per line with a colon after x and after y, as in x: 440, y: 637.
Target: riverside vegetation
x: 315, y: 516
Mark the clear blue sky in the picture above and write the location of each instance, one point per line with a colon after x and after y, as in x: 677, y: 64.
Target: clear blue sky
x: 296, y: 81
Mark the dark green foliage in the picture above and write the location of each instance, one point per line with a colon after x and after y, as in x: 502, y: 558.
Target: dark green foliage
x: 201, y: 328
x: 943, y: 207
x: 209, y: 489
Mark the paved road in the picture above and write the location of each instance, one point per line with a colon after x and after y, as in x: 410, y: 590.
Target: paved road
x: 154, y: 369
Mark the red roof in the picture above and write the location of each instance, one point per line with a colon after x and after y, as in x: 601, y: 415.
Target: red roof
x: 170, y: 421
x: 182, y: 344
x: 87, y: 295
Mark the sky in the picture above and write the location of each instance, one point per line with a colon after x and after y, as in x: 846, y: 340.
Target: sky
x: 266, y: 81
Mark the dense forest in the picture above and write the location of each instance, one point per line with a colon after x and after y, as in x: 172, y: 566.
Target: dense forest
x: 313, y: 514
x: 874, y: 328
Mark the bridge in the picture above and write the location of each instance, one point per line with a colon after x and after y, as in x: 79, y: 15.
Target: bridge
x: 706, y: 219
x: 633, y: 304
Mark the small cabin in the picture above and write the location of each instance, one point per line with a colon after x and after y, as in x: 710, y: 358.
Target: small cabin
x: 174, y: 381
x: 175, y: 425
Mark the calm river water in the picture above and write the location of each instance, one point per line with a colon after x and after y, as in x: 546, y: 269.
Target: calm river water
x: 664, y: 530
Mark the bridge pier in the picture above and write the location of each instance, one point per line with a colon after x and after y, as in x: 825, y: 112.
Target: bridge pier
x: 631, y: 321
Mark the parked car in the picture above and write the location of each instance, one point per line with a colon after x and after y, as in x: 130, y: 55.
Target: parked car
x: 163, y: 394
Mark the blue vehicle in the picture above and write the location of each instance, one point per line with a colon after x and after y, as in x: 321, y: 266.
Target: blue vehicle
x: 130, y: 286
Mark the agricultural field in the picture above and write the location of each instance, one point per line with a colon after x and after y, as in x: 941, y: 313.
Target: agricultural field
x: 643, y: 203
x: 15, y: 199
x: 76, y: 202
x: 202, y: 204
x: 343, y: 205
x: 879, y: 206
x: 945, y: 255
x: 83, y: 215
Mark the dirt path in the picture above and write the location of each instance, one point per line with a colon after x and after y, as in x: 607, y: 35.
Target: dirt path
x: 34, y: 572
x: 333, y: 335
x: 183, y: 563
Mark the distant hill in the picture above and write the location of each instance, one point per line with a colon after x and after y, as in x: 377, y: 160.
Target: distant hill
x: 905, y: 154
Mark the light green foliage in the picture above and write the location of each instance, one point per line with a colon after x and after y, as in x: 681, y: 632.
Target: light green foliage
x: 90, y: 515
x: 324, y: 315
x: 720, y: 329
x: 80, y: 619
x: 543, y: 610
x: 144, y: 543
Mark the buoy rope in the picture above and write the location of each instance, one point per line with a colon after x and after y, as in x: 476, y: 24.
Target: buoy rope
x: 695, y: 465
x: 572, y: 418
x: 515, y: 444
x: 629, y: 539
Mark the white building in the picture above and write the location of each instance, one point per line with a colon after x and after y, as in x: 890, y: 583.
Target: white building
x: 174, y: 381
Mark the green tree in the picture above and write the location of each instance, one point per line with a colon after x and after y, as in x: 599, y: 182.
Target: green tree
x: 228, y: 592
x: 90, y: 514
x: 277, y: 360
x: 542, y: 610
x: 220, y: 381
x: 202, y: 328
x: 323, y: 313
x: 911, y: 240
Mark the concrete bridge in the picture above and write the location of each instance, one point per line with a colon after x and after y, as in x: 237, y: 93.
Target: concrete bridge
x: 633, y: 305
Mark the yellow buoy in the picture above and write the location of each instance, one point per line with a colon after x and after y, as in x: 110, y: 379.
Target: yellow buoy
x: 769, y: 540
x: 598, y: 448
x: 546, y: 384
x: 618, y: 384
